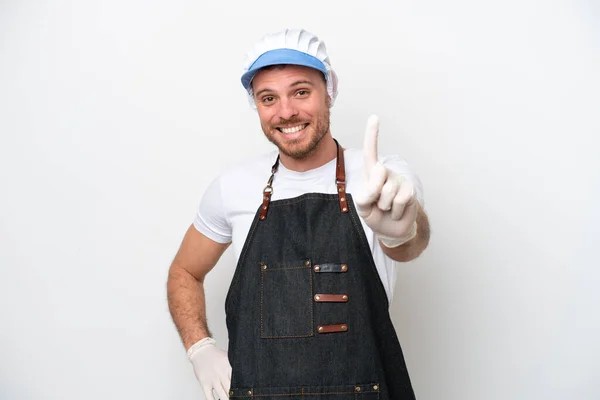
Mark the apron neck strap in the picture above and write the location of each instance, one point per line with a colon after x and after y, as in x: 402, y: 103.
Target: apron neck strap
x: 340, y: 181
x: 340, y: 178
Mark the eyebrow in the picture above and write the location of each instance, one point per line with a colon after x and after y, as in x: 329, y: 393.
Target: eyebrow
x: 300, y: 82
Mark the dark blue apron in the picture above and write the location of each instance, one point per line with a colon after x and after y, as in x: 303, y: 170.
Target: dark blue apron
x: 307, y: 314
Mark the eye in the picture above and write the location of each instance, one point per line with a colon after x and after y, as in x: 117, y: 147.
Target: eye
x: 302, y: 93
x: 268, y: 99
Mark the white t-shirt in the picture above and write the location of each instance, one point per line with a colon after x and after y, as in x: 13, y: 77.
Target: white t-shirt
x: 229, y: 205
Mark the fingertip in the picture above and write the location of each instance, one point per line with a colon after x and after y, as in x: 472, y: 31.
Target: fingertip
x: 373, y: 118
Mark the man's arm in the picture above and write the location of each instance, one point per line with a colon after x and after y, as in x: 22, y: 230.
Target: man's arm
x: 196, y: 256
x: 414, y: 247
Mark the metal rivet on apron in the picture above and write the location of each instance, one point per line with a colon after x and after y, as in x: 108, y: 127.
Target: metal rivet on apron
x: 317, y: 297
x: 340, y: 189
x: 345, y: 297
x: 344, y: 267
x: 231, y: 393
x: 307, y: 262
x: 317, y: 268
x: 343, y: 199
x: 375, y: 387
x: 262, y: 217
x: 249, y: 392
x: 344, y: 327
x: 320, y: 329
x: 357, y: 389
x: 345, y: 209
x: 264, y: 207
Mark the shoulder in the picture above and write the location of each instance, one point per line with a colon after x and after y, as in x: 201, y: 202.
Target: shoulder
x: 240, y: 185
x: 236, y: 191
x: 247, y: 172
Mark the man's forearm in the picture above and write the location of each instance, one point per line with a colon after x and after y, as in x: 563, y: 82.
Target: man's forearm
x: 187, y: 306
x: 414, y: 247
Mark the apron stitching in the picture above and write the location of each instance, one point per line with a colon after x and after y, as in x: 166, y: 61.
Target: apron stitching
x: 298, y: 200
x: 286, y: 337
x: 245, y: 250
x: 285, y: 268
x: 303, y: 393
x: 238, y: 269
x: 310, y: 299
x: 262, y: 280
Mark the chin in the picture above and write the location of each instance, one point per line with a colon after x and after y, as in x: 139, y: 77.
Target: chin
x: 299, y: 149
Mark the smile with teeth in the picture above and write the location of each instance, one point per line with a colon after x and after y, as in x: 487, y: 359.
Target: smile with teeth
x: 293, y: 129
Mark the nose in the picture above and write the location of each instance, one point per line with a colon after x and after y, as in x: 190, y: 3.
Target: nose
x: 287, y: 109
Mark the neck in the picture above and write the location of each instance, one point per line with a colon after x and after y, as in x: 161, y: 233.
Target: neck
x: 323, y: 153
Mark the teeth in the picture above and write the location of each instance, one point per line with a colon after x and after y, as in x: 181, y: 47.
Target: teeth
x: 294, y: 129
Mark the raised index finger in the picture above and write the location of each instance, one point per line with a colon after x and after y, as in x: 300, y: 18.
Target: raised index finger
x: 370, y: 146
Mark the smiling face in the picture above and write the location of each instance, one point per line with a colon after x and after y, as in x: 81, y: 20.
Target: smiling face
x: 293, y: 106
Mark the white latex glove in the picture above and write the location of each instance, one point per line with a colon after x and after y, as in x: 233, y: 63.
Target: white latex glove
x: 211, y: 367
x: 388, y: 202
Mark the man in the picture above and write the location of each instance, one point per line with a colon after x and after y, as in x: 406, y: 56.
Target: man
x: 307, y: 309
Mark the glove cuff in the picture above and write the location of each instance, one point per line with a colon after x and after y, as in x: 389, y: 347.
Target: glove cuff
x: 390, y: 242
x: 207, y: 341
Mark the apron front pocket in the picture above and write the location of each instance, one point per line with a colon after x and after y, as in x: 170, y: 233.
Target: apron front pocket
x: 286, y: 303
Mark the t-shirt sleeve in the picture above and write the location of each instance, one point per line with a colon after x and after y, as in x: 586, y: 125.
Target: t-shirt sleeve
x: 399, y: 165
x: 211, y: 217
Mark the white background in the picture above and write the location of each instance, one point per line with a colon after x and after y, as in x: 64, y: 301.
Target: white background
x: 115, y: 115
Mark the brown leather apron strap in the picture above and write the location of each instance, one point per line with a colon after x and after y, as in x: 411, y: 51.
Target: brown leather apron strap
x: 340, y: 178
x: 331, y: 298
x: 268, y: 191
x: 332, y: 328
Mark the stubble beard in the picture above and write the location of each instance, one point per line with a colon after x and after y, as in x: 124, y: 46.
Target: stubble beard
x: 292, y: 148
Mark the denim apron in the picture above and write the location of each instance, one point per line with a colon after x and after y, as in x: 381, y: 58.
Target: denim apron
x: 307, y: 314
